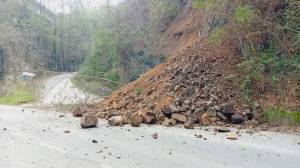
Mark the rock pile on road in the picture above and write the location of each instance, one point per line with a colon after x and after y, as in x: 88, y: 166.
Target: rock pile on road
x: 199, y: 83
x: 190, y: 89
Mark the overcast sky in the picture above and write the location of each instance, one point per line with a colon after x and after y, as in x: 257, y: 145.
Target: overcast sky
x: 56, y: 5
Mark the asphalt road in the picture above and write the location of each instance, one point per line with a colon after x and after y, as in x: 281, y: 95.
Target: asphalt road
x: 36, y: 139
x: 59, y: 89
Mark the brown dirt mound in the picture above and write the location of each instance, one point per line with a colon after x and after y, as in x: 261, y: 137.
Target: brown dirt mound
x: 193, y: 83
x: 197, y: 85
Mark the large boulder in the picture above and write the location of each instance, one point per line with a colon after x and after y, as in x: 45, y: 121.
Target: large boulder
x: 116, y: 121
x: 169, y: 122
x: 237, y: 119
x: 167, y: 111
x: 78, y: 112
x: 135, y: 120
x: 179, y: 118
x: 89, y: 120
x: 149, y: 117
x: 228, y: 110
x: 189, y: 124
x: 205, y: 119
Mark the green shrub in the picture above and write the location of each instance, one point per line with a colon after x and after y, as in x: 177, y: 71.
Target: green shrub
x: 217, y: 36
x: 279, y: 115
x: 138, y: 91
x: 251, y: 72
x: 270, y: 65
x: 243, y: 14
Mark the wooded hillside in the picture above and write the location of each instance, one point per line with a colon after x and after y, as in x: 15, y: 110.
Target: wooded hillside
x: 33, y: 38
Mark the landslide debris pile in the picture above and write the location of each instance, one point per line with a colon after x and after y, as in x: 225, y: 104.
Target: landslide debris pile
x: 193, y: 87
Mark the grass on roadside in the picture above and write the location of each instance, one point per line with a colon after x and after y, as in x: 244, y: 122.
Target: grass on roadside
x: 16, y: 96
x: 94, y: 87
x: 279, y: 115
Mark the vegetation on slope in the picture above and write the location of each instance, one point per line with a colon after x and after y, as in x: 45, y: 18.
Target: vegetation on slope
x: 125, y: 39
x: 266, y: 34
x: 18, y: 95
x: 33, y: 38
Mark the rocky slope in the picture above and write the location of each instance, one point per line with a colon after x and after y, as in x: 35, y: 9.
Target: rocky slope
x: 193, y: 87
x: 197, y: 85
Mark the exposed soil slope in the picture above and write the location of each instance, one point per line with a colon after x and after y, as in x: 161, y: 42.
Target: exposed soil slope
x: 194, y: 86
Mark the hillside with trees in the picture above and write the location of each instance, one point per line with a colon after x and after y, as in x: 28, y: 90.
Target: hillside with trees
x: 242, y: 54
x: 235, y: 61
x: 40, y: 39
x: 126, y: 39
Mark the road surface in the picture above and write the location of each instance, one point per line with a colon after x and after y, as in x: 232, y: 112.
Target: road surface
x: 36, y: 139
x: 59, y: 89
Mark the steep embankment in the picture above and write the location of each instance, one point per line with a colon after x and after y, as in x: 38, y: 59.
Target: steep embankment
x: 195, y: 85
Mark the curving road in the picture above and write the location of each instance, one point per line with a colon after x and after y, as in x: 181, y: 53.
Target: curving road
x: 36, y: 139
x: 59, y: 89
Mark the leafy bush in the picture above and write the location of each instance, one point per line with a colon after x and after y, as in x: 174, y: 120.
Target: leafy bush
x: 251, y: 73
x: 243, y: 14
x: 104, y: 57
x: 216, y: 36
x: 277, y: 63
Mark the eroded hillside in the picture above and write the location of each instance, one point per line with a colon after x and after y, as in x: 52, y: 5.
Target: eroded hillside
x: 201, y: 82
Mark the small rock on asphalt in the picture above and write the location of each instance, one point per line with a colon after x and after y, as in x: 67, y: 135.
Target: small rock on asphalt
x: 94, y: 141
x: 222, y: 130
x: 155, y: 136
x: 232, y: 137
x: 67, y: 131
